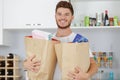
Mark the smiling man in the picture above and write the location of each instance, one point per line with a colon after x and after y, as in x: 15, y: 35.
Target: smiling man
x: 64, y: 15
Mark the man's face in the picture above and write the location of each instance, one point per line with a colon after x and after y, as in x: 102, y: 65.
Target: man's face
x: 63, y: 18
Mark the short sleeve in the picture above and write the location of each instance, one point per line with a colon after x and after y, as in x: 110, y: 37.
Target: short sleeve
x: 91, y: 55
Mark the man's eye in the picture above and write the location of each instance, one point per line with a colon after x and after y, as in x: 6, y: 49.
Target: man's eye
x: 66, y: 14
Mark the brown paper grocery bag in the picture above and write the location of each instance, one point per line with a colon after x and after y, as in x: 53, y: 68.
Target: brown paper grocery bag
x: 70, y: 55
x: 44, y: 51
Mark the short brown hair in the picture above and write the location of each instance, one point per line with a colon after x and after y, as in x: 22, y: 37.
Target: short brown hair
x: 65, y: 4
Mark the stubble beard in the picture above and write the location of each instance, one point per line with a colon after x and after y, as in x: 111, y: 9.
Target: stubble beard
x: 65, y: 27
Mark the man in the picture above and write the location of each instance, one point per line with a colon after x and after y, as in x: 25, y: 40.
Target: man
x: 64, y: 16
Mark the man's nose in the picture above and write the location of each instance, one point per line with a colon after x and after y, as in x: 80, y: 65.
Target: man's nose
x: 63, y: 16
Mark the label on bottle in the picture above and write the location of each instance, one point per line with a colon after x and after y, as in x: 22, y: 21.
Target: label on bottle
x: 107, y: 23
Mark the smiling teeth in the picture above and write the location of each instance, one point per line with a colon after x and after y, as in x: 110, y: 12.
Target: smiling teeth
x: 63, y: 21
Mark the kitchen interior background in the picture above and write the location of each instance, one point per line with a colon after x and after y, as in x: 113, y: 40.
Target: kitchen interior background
x: 101, y: 39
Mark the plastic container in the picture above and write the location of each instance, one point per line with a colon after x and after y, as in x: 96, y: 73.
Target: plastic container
x: 111, y: 75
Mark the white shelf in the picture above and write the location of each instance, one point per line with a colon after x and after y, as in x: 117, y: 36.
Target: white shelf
x: 72, y: 27
x: 96, y: 27
x: 92, y: 0
x: 30, y: 27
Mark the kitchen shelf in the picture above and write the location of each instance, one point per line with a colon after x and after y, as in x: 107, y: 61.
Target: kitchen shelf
x: 72, y: 27
x: 96, y: 27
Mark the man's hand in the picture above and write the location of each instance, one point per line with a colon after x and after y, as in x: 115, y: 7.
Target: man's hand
x: 32, y: 65
x: 78, y: 74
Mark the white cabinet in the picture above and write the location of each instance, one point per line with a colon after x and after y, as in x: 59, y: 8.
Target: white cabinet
x: 1, y: 33
x: 4, y: 35
x: 22, y: 14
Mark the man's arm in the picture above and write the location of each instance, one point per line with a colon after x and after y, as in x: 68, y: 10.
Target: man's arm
x: 93, y: 67
x: 78, y: 74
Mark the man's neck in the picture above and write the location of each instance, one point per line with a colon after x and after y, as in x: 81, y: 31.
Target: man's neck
x: 63, y: 32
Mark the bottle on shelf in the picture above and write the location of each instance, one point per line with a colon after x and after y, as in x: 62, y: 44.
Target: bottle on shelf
x: 115, y: 21
x: 2, y: 63
x: 98, y: 19
x: 102, y: 22
x: 110, y: 59
x: 10, y: 63
x: 105, y: 59
x: 10, y: 78
x: 9, y: 71
x: 111, y: 75
x: 106, y: 19
x: 111, y: 21
x: 99, y: 59
x: 10, y: 56
x: 95, y: 56
x: 2, y: 71
x: 86, y: 20
x: 2, y: 78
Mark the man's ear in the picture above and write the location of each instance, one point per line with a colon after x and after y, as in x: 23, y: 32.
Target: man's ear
x: 72, y: 17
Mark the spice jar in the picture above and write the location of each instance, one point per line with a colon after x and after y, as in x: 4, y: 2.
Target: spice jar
x: 111, y: 21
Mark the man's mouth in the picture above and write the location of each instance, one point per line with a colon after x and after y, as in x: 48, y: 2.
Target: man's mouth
x: 63, y: 21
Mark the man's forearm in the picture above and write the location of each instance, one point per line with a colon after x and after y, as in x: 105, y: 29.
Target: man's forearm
x: 93, y: 67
